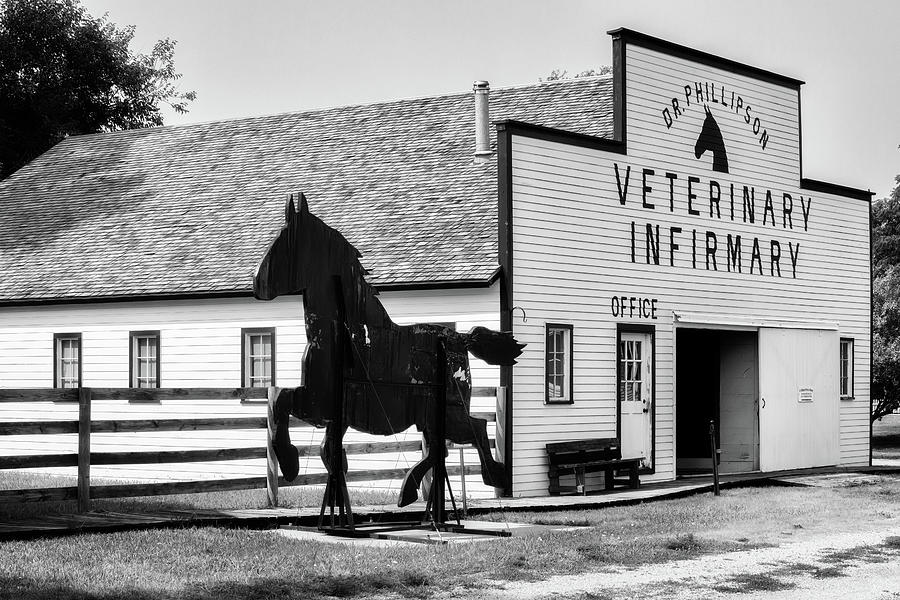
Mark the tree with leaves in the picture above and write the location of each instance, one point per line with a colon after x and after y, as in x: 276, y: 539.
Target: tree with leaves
x: 557, y: 74
x: 65, y: 72
x: 886, y: 301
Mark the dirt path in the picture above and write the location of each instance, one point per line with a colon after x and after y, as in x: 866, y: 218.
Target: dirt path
x: 845, y: 566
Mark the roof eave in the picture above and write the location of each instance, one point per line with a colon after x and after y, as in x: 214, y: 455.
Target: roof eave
x: 247, y: 293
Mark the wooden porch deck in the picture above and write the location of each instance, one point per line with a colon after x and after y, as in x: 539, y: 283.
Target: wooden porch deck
x: 101, y: 522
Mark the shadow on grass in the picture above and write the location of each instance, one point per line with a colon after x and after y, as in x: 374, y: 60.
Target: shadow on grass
x: 655, y: 550
x: 859, y: 554
x: 756, y: 582
x: 562, y: 520
x: 815, y: 571
x: 406, y: 584
x: 289, y: 497
x: 593, y: 596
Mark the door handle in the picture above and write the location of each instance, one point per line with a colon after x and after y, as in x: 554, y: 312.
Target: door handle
x: 762, y: 402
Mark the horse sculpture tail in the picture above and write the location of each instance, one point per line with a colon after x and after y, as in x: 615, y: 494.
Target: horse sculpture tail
x: 493, y: 347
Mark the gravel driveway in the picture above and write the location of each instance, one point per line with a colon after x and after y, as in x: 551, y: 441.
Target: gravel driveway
x: 846, y: 566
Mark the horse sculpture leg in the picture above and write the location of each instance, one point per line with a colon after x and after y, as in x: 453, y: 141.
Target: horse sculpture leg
x: 285, y: 452
x: 336, y: 493
x: 334, y: 437
x: 409, y: 489
x: 493, y: 473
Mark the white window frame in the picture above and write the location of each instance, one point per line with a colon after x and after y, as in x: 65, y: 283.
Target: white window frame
x: 558, y: 364
x: 136, y: 380
x: 59, y: 379
x: 248, y: 377
x: 846, y: 375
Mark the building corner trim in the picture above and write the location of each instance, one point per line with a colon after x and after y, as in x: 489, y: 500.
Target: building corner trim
x: 871, y: 331
x: 505, y: 259
x: 620, y: 130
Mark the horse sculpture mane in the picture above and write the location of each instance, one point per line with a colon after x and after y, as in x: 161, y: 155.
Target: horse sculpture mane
x: 362, y: 370
x: 711, y: 139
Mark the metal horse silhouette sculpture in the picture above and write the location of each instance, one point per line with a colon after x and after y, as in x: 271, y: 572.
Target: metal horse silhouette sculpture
x: 711, y: 139
x: 362, y: 370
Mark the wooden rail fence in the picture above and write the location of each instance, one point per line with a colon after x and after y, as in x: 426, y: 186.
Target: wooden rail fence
x: 84, y: 426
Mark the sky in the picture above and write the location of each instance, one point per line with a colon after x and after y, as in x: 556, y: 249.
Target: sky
x: 252, y: 58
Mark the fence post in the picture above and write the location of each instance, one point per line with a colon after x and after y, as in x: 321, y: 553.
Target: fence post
x: 500, y: 431
x: 84, y: 449
x: 462, y: 482
x: 271, y: 462
x: 715, y: 456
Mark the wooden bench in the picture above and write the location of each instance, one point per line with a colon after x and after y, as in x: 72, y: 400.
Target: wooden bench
x: 590, y: 456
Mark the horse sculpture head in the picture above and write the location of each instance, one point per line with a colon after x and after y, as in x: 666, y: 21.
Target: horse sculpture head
x: 304, y: 253
x: 711, y: 139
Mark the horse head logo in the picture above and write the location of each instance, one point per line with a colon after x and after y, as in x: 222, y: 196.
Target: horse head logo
x: 711, y: 139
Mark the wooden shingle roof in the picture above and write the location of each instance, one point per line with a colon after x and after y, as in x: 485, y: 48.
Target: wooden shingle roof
x: 190, y: 209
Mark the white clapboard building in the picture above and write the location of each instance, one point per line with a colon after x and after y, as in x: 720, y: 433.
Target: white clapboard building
x: 649, y: 234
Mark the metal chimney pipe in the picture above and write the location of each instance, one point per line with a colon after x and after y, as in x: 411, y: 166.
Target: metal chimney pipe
x: 482, y: 91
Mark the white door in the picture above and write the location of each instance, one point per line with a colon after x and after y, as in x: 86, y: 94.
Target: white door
x: 798, y: 405
x: 636, y: 396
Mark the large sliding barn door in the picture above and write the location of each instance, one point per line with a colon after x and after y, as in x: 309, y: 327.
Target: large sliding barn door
x: 798, y: 407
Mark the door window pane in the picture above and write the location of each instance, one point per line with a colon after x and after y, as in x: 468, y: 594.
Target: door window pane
x: 631, y: 370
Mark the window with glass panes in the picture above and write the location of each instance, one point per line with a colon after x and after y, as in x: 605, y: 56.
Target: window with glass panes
x: 846, y: 368
x: 259, y: 357
x: 67, y: 360
x: 631, y: 371
x: 559, y: 363
x: 145, y: 359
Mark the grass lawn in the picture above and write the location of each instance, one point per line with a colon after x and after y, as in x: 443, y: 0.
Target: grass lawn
x: 886, y: 438
x: 229, y: 564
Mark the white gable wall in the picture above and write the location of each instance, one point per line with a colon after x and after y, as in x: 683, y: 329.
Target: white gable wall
x: 653, y: 79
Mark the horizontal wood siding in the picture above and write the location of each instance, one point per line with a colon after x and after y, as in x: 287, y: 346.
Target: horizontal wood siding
x: 200, y: 341
x: 654, y: 79
x: 572, y: 248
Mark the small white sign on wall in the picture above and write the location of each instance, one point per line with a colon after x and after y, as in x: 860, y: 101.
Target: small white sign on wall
x: 806, y: 395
